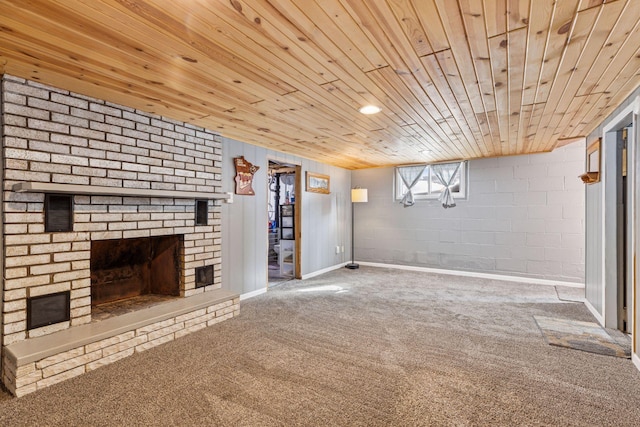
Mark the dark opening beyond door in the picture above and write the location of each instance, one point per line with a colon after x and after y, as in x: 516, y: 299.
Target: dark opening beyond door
x: 127, y: 268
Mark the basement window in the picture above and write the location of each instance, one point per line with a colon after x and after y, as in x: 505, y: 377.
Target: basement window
x: 430, y: 187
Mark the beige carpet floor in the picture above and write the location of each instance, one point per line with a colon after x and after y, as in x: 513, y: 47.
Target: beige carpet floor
x: 369, y: 347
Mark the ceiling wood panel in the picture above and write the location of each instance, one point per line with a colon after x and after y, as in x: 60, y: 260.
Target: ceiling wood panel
x: 496, y: 16
x: 454, y: 78
x: 573, y: 52
x: 500, y: 70
x: 537, y: 34
x: 518, y: 13
x: 570, y: 103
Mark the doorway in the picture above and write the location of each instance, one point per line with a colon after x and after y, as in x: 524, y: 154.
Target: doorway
x: 283, y: 201
x: 623, y: 215
x: 619, y: 225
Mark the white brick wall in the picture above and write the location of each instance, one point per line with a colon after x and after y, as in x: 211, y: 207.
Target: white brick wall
x: 55, y: 136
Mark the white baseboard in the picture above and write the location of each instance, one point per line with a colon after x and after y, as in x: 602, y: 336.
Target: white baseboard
x: 324, y: 270
x: 304, y: 276
x: 253, y: 294
x: 636, y: 360
x: 594, y: 312
x: 506, y: 278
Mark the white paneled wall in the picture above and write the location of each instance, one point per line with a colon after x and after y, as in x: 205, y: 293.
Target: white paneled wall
x: 325, y: 219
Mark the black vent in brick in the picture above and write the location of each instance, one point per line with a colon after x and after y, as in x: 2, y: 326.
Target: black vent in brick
x: 204, y: 276
x: 202, y: 212
x: 48, y: 309
x: 58, y: 212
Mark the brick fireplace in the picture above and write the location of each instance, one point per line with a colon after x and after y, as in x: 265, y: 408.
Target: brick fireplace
x: 132, y: 181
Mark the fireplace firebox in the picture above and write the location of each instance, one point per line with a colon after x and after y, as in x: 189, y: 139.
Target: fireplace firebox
x: 127, y: 268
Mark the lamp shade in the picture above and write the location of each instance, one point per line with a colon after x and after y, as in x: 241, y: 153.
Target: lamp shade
x: 359, y: 195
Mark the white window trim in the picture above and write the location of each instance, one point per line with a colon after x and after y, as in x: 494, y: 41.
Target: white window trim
x: 398, y: 185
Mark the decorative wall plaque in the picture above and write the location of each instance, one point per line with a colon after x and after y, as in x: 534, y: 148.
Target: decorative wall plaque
x: 244, y: 176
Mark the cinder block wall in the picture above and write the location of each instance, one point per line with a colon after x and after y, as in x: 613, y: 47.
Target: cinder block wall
x: 524, y: 216
x: 55, y: 136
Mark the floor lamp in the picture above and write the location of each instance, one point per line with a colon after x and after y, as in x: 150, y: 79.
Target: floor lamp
x: 358, y: 195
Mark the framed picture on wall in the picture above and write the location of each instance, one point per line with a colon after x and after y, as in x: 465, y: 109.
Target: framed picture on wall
x: 593, y: 157
x: 317, y: 183
x: 592, y: 173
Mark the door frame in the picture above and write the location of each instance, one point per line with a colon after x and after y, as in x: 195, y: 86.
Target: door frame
x: 610, y: 171
x: 297, y: 226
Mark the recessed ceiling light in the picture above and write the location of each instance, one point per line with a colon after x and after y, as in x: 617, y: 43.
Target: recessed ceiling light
x: 370, y: 109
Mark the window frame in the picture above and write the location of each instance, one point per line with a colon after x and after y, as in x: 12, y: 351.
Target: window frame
x: 399, y: 189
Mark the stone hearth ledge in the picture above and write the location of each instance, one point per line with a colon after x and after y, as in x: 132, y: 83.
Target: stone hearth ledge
x: 30, y: 365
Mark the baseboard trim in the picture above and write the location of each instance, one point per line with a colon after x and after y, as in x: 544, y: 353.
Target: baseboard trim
x: 324, y: 270
x: 594, y: 312
x: 253, y: 294
x: 505, y: 278
x: 636, y: 360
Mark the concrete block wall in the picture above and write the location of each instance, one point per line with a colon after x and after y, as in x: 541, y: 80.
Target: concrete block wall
x: 55, y: 136
x: 524, y: 216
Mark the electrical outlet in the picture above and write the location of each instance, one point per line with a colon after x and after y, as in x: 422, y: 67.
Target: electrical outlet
x: 337, y: 249
x: 342, y: 248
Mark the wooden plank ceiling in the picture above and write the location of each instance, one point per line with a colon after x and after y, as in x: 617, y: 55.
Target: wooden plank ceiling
x: 454, y: 78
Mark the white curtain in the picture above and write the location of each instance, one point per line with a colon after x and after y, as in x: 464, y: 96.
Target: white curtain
x: 410, y: 176
x: 446, y: 173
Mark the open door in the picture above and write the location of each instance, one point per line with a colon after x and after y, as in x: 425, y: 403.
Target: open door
x: 284, y: 222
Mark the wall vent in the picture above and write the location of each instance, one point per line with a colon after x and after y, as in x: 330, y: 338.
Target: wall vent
x: 46, y: 310
x: 202, y: 212
x: 58, y: 212
x: 204, y: 276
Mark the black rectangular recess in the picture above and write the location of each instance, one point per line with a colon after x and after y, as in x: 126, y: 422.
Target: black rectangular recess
x: 58, y: 212
x: 46, y: 310
x: 202, y: 212
x: 287, y: 225
x: 204, y: 276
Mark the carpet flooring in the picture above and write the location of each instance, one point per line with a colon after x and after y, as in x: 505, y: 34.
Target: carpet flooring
x: 367, y: 347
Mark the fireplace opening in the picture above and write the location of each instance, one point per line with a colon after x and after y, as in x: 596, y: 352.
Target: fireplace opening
x: 128, y: 269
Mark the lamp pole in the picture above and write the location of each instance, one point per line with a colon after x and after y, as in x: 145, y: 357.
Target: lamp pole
x: 358, y: 195
x: 352, y: 265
